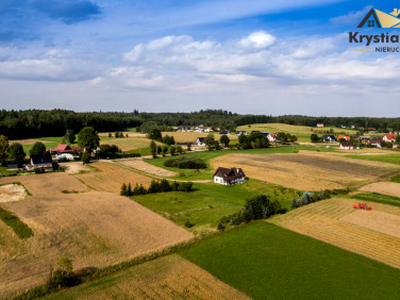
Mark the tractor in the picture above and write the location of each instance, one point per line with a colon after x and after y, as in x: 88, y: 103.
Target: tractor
x: 363, y: 206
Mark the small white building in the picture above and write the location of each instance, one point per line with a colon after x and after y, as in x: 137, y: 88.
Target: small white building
x: 346, y: 145
x: 228, y: 176
x: 200, y: 141
x: 42, y: 161
x: 320, y: 125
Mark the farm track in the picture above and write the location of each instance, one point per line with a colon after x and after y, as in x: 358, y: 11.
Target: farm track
x: 321, y: 221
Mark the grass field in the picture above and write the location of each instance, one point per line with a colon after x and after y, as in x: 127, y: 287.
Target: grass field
x: 19, y: 227
x: 170, y: 277
x: 128, y: 144
x: 94, y: 229
x: 388, y: 158
x: 307, y: 170
x: 302, y: 132
x: 378, y: 198
x: 323, y: 221
x: 385, y: 188
x: 268, y: 262
x: 210, y: 202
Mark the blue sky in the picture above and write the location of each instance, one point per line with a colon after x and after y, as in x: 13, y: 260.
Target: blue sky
x: 266, y: 57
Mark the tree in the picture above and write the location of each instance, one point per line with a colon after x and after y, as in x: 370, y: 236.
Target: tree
x: 37, y: 148
x: 88, y: 139
x: 153, y: 149
x: 124, y: 190
x: 109, y: 134
x: 121, y: 135
x: 116, y: 134
x: 154, y: 187
x: 217, y: 146
x: 70, y: 136
x: 155, y: 134
x: 209, y: 141
x: 129, y: 191
x: 172, y: 150
x: 164, y: 186
x: 16, y: 154
x: 179, y: 149
x: 63, y: 275
x: 189, y: 147
x: 164, y: 150
x: 224, y: 140
x: 85, y: 157
x: 3, y: 149
x: 159, y: 150
x: 282, y: 137
x: 244, y: 142
x: 314, y: 138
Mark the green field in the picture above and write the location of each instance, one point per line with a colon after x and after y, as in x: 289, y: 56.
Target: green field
x: 20, y: 228
x: 210, y: 202
x: 389, y: 158
x: 269, y: 262
x: 379, y: 198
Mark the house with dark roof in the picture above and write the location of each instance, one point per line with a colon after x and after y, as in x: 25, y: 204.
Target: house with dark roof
x: 42, y: 161
x: 240, y: 132
x: 346, y: 145
x: 376, y: 142
x: 228, y: 176
x: 329, y: 138
x: 226, y: 132
x: 200, y: 141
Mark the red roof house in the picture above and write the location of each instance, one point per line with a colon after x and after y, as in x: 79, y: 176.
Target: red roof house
x: 64, y: 148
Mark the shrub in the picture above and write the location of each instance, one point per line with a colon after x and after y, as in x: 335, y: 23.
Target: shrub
x: 185, y: 186
x: 185, y: 163
x: 188, y: 224
x: 221, y: 227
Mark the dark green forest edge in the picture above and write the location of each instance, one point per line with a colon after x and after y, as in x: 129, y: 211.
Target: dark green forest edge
x: 37, y: 123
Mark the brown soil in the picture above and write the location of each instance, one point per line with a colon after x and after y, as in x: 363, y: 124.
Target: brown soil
x: 111, y: 177
x: 324, y: 221
x: 385, y: 188
x: 93, y: 229
x: 146, y: 167
x: 306, y: 170
x: 170, y: 277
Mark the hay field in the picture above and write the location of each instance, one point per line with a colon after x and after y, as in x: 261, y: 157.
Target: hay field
x: 130, y: 143
x: 328, y: 221
x: 170, y: 277
x: 111, y: 177
x: 93, y: 229
x: 191, y: 137
x: 385, y: 188
x: 29, y: 141
x: 141, y: 165
x: 306, y: 170
x: 11, y: 193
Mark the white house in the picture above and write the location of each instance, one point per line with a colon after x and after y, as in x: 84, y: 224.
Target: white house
x: 200, y: 141
x: 347, y: 145
x: 228, y: 176
x: 389, y: 138
x: 271, y: 137
x: 320, y: 125
x: 208, y: 129
x: 42, y: 161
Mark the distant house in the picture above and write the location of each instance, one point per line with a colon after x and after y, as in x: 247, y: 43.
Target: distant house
x: 328, y: 138
x: 228, y: 176
x: 344, y: 137
x: 265, y: 133
x: 271, y: 137
x: 42, y: 161
x: 64, y: 148
x: 226, y: 132
x: 320, y: 125
x: 347, y: 145
x: 208, y: 129
x: 256, y: 131
x: 241, y: 132
x: 389, y: 138
x: 376, y: 142
x: 184, y: 129
x: 200, y: 141
x: 12, y: 167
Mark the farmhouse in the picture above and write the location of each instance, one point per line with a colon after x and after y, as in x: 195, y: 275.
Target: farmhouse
x: 226, y: 132
x: 347, y: 145
x: 343, y: 137
x: 64, y: 148
x: 184, y: 129
x: 389, y: 138
x: 208, y: 129
x: 328, y: 138
x: 200, y: 141
x: 320, y: 125
x: 376, y: 142
x: 42, y: 161
x: 271, y: 137
x: 241, y: 132
x: 228, y: 176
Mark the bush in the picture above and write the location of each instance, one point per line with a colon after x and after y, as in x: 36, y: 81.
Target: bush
x: 185, y: 163
x: 188, y: 224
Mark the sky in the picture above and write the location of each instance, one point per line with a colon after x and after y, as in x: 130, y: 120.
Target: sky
x: 259, y: 57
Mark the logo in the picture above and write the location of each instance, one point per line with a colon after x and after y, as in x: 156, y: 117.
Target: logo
x: 379, y: 19
x: 385, y: 42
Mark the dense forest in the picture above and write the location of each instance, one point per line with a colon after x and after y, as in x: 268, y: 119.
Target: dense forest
x: 38, y: 123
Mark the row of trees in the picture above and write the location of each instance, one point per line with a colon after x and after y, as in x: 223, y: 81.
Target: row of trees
x: 162, y: 186
x: 254, y: 140
x: 308, y: 198
x: 154, y: 149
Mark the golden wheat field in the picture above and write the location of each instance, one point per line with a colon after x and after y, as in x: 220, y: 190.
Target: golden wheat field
x: 306, y: 170
x: 110, y: 177
x: 170, y: 277
x: 141, y: 165
x: 130, y: 143
x: 333, y: 222
x: 385, y: 188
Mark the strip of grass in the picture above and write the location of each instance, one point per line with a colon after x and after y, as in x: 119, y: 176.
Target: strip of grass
x: 388, y: 158
x: 269, y: 262
x: 19, y: 227
x: 396, y: 179
x: 378, y: 198
x: 210, y: 202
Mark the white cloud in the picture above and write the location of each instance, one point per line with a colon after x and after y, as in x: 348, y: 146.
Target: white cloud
x: 353, y: 18
x: 257, y: 40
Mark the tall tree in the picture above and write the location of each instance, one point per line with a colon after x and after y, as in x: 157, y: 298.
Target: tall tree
x: 209, y: 141
x: 224, y: 140
x: 3, y: 148
x: 153, y: 149
x: 16, y: 154
x: 88, y: 139
x: 70, y: 136
x: 37, y: 148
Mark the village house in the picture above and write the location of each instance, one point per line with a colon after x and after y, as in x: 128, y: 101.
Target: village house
x: 320, y: 125
x: 376, y: 142
x: 328, y: 138
x: 343, y: 137
x: 200, y: 141
x: 389, y: 138
x: 346, y: 145
x: 208, y: 129
x: 184, y: 129
x: 271, y: 137
x: 42, y: 161
x: 241, y: 132
x: 64, y: 148
x: 226, y: 132
x: 228, y: 176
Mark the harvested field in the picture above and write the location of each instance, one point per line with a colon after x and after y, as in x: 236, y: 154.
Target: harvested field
x: 191, y: 137
x: 28, y: 141
x: 111, y: 177
x: 324, y: 221
x: 11, y: 193
x: 306, y: 170
x: 385, y: 188
x: 170, y: 277
x: 75, y: 167
x: 93, y: 229
x: 141, y: 165
x: 375, y: 220
x: 47, y: 185
x: 130, y: 143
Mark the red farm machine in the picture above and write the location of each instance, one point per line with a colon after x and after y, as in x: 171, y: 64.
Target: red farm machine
x: 363, y: 206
